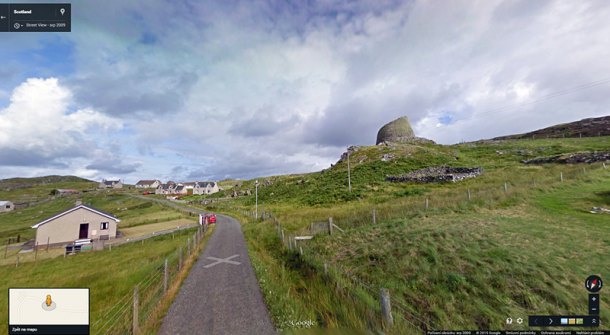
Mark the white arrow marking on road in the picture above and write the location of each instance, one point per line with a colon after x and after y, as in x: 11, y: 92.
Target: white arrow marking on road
x: 222, y: 260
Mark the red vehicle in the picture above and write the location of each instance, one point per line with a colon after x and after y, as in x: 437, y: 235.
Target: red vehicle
x: 209, y: 218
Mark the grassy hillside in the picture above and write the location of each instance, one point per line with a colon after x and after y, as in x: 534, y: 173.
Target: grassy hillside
x: 131, y: 211
x: 26, y: 190
x: 523, y: 244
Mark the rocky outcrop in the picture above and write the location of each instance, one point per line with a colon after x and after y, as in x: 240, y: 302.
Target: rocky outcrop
x: 398, y: 130
x: 571, y: 158
x: 438, y: 174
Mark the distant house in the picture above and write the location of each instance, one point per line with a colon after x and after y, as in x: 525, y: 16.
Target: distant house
x: 111, y: 184
x: 206, y: 187
x: 76, y: 223
x: 6, y: 206
x: 167, y: 188
x: 148, y: 184
x: 180, y: 189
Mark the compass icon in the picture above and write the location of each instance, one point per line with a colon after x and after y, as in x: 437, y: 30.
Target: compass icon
x: 594, y: 283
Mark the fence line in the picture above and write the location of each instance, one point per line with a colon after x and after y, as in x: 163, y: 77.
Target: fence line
x: 505, y: 190
x: 122, y: 318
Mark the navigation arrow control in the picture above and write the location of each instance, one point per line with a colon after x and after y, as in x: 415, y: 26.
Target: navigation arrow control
x: 550, y: 321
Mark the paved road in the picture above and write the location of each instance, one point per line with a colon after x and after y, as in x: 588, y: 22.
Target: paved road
x: 221, y: 293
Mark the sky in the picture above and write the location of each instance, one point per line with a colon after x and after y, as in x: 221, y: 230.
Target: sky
x: 208, y: 90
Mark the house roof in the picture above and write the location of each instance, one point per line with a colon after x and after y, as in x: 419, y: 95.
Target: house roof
x: 91, y: 209
x: 3, y: 203
x: 146, y: 182
x: 205, y: 184
x: 110, y: 182
x: 179, y: 188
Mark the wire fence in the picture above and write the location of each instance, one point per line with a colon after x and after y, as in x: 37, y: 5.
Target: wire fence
x: 136, y: 310
x: 369, y: 296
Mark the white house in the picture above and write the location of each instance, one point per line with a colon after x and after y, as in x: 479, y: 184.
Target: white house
x: 167, y: 188
x: 6, y: 206
x: 148, y: 183
x: 111, y: 184
x: 205, y: 187
x: 79, y: 222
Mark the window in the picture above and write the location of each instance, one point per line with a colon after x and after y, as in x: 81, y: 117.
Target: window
x: 8, y: 206
x: 104, y: 226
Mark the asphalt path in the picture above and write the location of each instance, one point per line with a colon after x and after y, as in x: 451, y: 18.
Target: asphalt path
x: 221, y: 293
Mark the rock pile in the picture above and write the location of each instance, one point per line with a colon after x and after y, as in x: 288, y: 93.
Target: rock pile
x: 438, y: 174
x: 572, y: 158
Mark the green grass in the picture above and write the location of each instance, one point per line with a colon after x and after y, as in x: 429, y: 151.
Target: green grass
x: 35, y: 189
x: 132, y: 212
x: 110, y: 275
x: 460, y: 264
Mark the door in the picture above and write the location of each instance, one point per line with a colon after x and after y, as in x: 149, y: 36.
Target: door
x: 83, y: 231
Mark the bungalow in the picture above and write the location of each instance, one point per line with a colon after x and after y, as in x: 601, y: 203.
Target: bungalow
x: 6, y: 206
x: 206, y: 187
x: 148, y: 183
x: 111, y: 184
x: 76, y: 223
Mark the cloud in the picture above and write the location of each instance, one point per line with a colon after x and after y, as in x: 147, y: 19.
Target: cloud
x: 113, y: 166
x: 246, y: 88
x: 41, y: 127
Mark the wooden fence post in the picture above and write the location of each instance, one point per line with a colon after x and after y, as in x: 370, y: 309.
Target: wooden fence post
x: 469, y: 197
x: 165, y: 275
x: 330, y: 226
x: 561, y: 176
x: 136, y: 302
x: 48, y: 240
x: 386, y: 307
x: 326, y: 270
x: 374, y: 216
x: 427, y: 203
x: 180, y: 259
x: 604, y: 165
x: 505, y: 187
x: 301, y: 250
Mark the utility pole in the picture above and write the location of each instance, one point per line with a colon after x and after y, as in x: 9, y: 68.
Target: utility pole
x: 256, y: 192
x: 349, y: 177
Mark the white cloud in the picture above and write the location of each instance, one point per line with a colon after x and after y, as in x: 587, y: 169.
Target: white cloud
x: 268, y: 87
x: 39, y: 125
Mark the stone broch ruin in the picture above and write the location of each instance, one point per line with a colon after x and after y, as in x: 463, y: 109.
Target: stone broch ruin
x: 398, y: 130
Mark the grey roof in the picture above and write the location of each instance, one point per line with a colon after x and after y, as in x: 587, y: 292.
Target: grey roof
x: 89, y: 208
x: 203, y: 184
x: 146, y: 182
x: 111, y: 182
x: 179, y: 188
